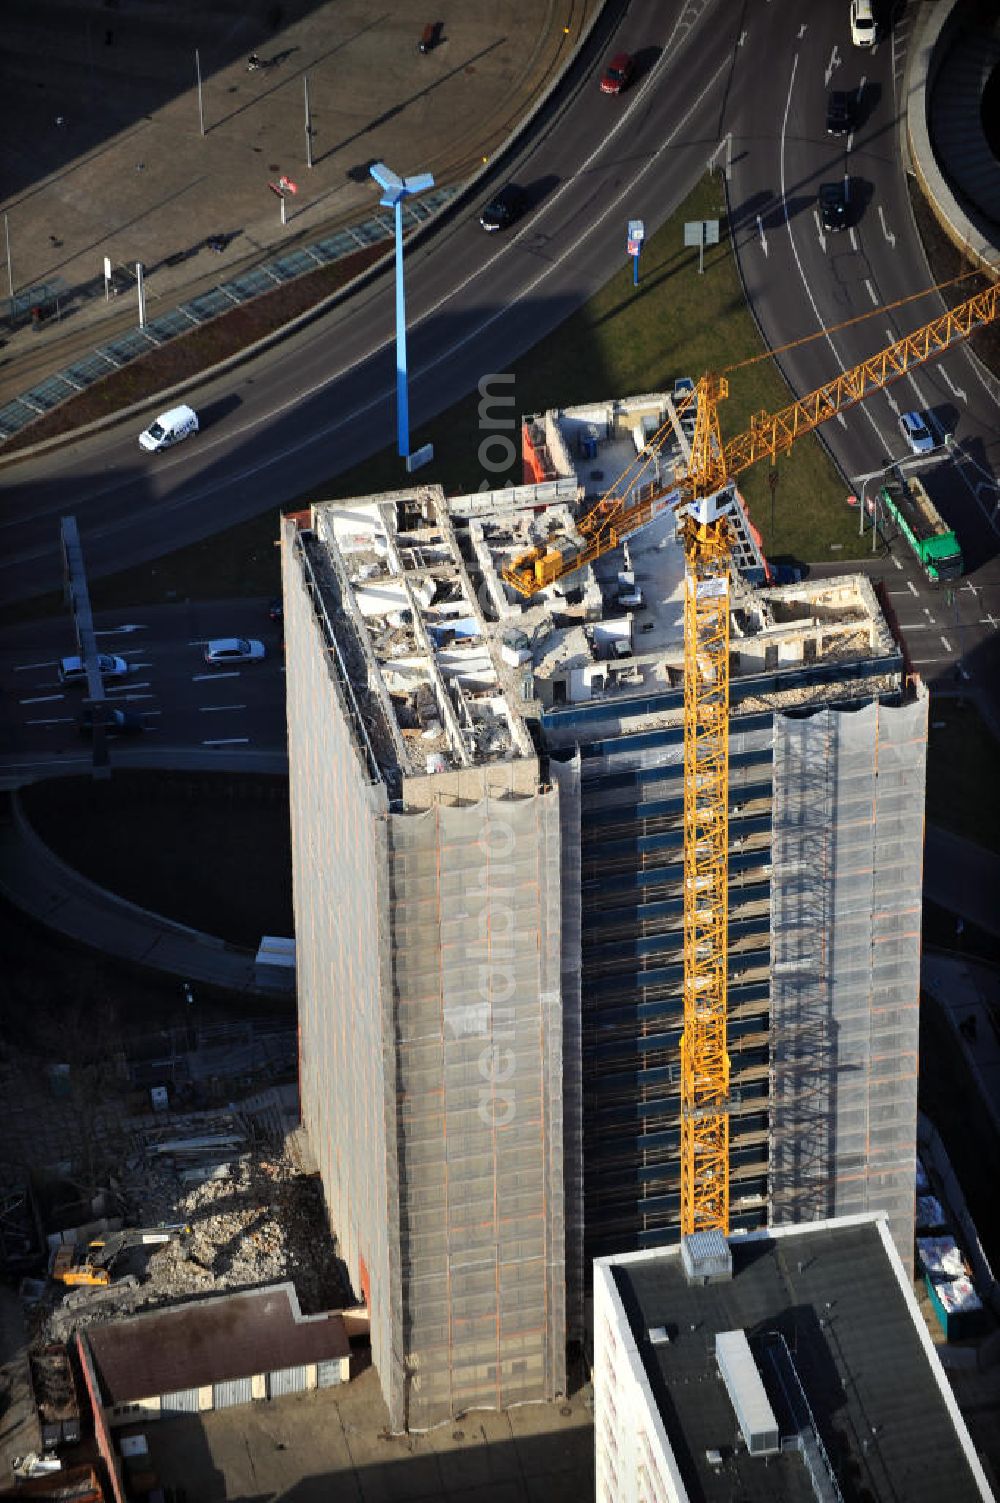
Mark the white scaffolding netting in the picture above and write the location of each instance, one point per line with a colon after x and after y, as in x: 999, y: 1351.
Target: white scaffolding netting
x: 475, y: 907
x: 845, y: 914
x: 566, y: 777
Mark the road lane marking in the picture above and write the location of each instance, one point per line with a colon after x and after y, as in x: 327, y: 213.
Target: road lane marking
x: 231, y: 741
x: 912, y: 586
x: 208, y: 709
x: 956, y: 391
x: 30, y: 667
x: 946, y: 644
x: 41, y: 699
x: 871, y: 292
x: 853, y: 238
x: 204, y: 678
x: 885, y: 229
x: 59, y: 720
x: 832, y: 65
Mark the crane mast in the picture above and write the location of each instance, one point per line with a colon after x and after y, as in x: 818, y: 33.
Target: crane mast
x: 694, y: 490
x: 704, y: 1056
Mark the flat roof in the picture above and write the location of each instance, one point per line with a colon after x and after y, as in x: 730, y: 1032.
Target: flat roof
x: 211, y: 1341
x: 836, y: 1292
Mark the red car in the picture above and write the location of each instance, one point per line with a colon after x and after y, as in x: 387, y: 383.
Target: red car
x: 618, y: 74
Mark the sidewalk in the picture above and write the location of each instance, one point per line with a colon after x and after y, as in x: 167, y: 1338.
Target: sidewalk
x: 128, y: 175
x: 969, y: 991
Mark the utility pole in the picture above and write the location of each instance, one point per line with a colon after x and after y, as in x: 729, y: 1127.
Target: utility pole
x: 10, y: 272
x: 201, y: 106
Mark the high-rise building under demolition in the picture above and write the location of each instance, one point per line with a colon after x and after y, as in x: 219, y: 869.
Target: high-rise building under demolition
x: 487, y: 799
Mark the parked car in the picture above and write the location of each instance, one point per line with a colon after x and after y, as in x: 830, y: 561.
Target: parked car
x: 276, y: 610
x: 838, y: 113
x: 916, y: 433
x: 73, y: 670
x: 225, y: 650
x: 504, y: 208
x: 116, y: 722
x: 833, y: 205
x: 170, y: 428
x: 864, y: 32
x: 618, y: 74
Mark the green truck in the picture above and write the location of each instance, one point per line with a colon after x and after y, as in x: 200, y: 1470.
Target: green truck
x: 923, y: 527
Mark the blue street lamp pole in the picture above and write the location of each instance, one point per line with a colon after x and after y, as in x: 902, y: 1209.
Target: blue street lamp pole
x: 394, y: 190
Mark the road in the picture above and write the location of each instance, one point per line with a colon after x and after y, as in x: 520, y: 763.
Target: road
x: 801, y: 280
x: 322, y: 400
x: 183, y: 702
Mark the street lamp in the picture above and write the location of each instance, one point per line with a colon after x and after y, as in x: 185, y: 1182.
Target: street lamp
x: 900, y: 466
x: 394, y: 190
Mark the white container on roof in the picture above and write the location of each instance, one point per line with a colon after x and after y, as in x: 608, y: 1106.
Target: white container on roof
x: 746, y: 1393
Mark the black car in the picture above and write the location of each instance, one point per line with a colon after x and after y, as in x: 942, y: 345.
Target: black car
x: 504, y: 208
x: 833, y: 205
x: 116, y: 722
x: 838, y: 113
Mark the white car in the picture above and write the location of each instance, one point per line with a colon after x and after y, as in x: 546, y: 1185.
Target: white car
x: 74, y: 670
x: 863, y: 29
x: 916, y: 433
x: 170, y: 428
x: 232, y: 650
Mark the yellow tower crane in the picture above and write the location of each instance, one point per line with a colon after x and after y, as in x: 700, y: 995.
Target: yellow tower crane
x: 696, y: 492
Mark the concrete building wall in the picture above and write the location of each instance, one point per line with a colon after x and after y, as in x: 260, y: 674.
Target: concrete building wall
x: 340, y: 892
x: 845, y: 932
x: 633, y: 1461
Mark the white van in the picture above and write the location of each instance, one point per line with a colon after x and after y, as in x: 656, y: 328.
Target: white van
x: 169, y: 428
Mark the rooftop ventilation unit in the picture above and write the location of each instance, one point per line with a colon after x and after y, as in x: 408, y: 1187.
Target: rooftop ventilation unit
x: 746, y: 1393
x: 707, y: 1258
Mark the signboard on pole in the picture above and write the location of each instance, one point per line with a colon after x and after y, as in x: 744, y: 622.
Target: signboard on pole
x: 701, y: 232
x: 636, y: 235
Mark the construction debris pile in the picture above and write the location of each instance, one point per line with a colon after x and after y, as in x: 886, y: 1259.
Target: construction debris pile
x: 251, y: 1216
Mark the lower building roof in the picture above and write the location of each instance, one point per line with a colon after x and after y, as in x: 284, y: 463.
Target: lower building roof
x: 835, y: 1293
x: 211, y: 1341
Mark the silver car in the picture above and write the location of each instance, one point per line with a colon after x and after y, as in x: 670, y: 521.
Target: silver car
x: 74, y: 670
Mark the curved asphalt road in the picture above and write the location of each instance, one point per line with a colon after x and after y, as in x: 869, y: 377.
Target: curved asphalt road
x: 323, y: 399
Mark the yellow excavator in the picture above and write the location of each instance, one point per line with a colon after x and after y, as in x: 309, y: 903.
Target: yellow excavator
x: 91, y: 1264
